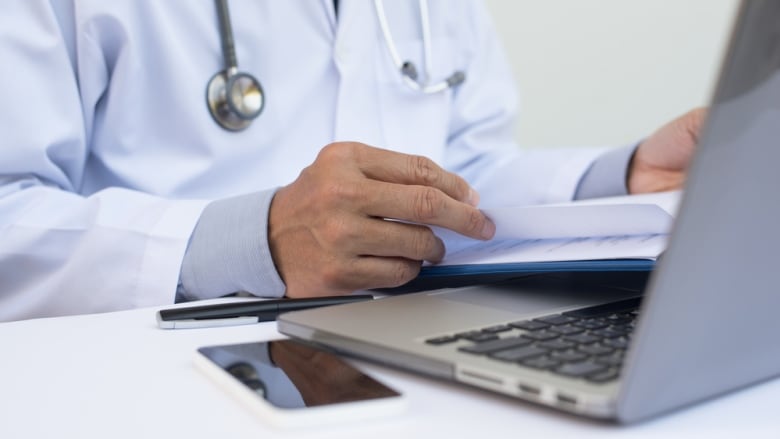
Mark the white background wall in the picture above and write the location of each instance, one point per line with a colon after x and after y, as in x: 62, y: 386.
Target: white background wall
x: 608, y: 72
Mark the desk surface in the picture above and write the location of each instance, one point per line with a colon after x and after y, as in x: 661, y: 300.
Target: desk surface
x: 117, y: 375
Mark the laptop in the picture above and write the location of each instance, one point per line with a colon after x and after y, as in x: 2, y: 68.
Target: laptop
x: 703, y: 323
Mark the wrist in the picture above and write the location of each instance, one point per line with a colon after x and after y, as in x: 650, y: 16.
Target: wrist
x: 642, y: 177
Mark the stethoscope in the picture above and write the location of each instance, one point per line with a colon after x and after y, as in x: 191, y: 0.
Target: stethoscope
x: 236, y: 98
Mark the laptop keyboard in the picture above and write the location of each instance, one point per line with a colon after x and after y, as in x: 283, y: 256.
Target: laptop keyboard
x: 587, y: 343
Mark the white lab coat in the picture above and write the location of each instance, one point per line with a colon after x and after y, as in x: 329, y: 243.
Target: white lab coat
x: 109, y: 153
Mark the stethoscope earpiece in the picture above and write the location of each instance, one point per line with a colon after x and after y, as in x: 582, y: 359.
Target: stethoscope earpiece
x: 409, y: 70
x: 409, y: 74
x: 456, y: 78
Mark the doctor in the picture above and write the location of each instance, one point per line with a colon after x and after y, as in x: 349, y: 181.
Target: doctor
x: 154, y: 150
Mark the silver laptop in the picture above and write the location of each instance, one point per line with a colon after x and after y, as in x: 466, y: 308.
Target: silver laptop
x: 705, y: 323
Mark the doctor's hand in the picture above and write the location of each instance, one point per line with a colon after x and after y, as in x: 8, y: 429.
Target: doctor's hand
x: 357, y: 219
x: 660, y: 163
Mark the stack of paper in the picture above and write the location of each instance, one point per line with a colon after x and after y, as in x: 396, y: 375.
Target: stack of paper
x: 621, y: 233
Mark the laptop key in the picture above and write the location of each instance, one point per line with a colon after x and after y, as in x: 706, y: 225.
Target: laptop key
x: 582, y: 338
x: 444, y: 339
x: 476, y: 336
x: 618, y: 343
x: 580, y: 369
x: 595, y: 349
x: 467, y: 334
x: 518, y: 353
x: 556, y: 319
x: 607, y: 333
x: 594, y: 323
x: 529, y: 325
x: 543, y: 362
x: 541, y: 335
x: 497, y: 328
x: 556, y: 345
x: 624, y: 328
x: 569, y: 356
x: 610, y: 360
x: 619, y: 319
x: 567, y: 329
x: 495, y: 345
x: 604, y: 376
x: 480, y: 337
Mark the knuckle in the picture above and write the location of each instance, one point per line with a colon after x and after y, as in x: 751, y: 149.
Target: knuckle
x: 335, y: 148
x: 328, y: 152
x: 475, y: 221
x: 338, y: 151
x: 424, y: 170
x: 428, y: 202
x: 460, y: 188
x: 339, y: 274
x: 404, y: 271
x: 332, y: 275
x: 422, y: 244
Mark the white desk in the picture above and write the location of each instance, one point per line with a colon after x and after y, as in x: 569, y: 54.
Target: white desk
x: 117, y: 375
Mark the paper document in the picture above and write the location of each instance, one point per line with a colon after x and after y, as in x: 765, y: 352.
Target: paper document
x: 632, y: 227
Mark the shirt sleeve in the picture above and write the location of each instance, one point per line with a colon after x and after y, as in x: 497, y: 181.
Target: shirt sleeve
x: 229, y: 251
x: 607, y: 176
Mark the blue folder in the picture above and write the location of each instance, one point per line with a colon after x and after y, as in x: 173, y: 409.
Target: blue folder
x: 451, y: 276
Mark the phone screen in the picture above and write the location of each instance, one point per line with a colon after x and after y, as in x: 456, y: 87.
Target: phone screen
x: 292, y: 375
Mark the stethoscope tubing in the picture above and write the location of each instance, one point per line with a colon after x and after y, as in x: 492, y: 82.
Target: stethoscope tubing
x: 226, y: 37
x: 236, y: 98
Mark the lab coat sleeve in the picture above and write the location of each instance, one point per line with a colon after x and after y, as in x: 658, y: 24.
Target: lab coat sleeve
x: 480, y: 145
x: 64, y: 253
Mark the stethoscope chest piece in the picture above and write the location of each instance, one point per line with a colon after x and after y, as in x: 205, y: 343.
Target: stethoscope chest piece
x: 234, y: 99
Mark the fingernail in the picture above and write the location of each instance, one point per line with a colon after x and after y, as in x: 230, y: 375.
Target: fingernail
x: 473, y: 198
x: 441, y: 251
x: 488, y: 230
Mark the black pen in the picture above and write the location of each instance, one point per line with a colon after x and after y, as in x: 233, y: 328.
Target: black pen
x: 246, y: 312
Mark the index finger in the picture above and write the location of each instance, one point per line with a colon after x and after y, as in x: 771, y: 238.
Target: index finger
x: 396, y: 167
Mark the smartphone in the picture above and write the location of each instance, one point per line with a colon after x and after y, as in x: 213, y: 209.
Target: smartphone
x: 291, y: 384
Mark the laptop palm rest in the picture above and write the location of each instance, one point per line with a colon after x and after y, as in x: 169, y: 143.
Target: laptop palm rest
x: 392, y: 330
x: 550, y: 292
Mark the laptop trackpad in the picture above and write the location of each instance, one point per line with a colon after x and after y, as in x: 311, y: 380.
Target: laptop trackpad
x: 548, y: 293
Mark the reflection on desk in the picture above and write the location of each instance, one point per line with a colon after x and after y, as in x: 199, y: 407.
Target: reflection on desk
x: 117, y: 375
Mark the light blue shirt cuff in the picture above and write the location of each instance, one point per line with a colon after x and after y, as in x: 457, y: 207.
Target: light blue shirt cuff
x: 228, y: 251
x: 606, y: 177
